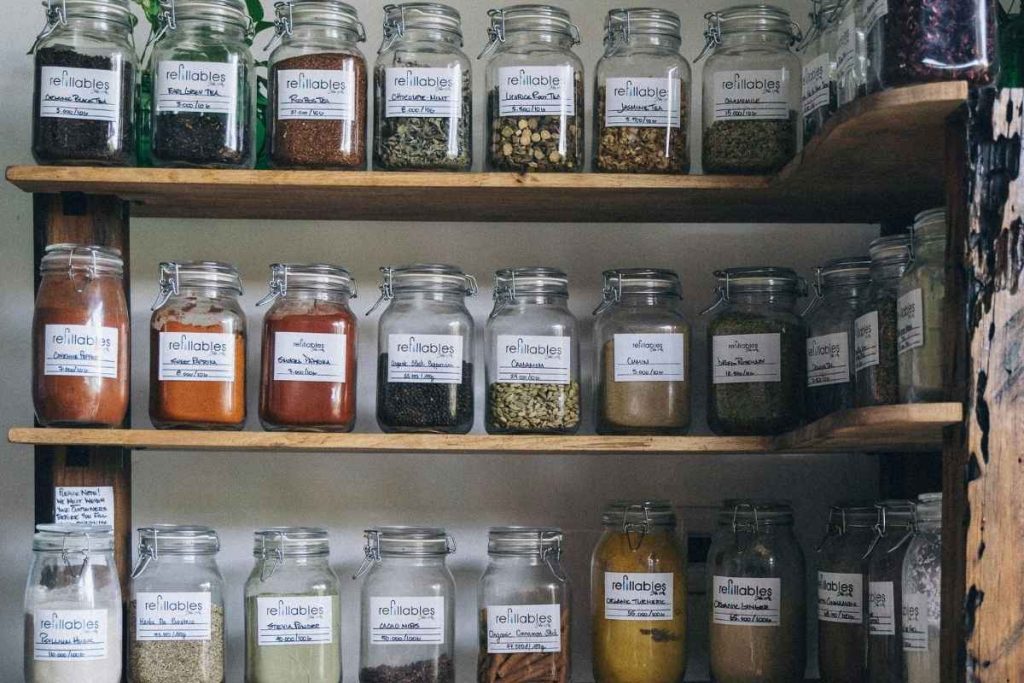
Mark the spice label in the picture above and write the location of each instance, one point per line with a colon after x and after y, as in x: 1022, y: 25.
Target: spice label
x: 747, y: 602
x: 915, y: 622
x: 80, y: 351
x: 420, y: 92
x: 524, y: 628
x: 536, y: 90
x: 89, y: 505
x: 649, y: 358
x: 173, y: 616
x: 85, y: 94
x: 873, y: 11
x: 197, y: 357
x: 910, y: 321
x: 534, y: 359
x: 881, y: 609
x: 316, y: 94
x: 745, y: 95
x: 204, y: 87
x: 309, y: 357
x: 828, y: 359
x: 865, y: 342
x: 65, y: 634
x: 846, y: 45
x: 815, y: 84
x: 425, y: 358
x: 405, y: 620
x: 641, y: 596
x: 298, y: 620
x: 747, y: 358
x: 643, y: 102
x: 841, y: 598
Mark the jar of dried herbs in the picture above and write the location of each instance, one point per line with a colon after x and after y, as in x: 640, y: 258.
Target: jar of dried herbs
x: 534, y: 90
x: 751, y: 91
x: 423, y: 103
x: 532, y: 348
x: 922, y: 593
x: 643, y: 95
x: 819, y: 69
x: 851, y: 60
x: 923, y: 361
x: 885, y: 588
x: 756, y: 352
x: 317, y: 87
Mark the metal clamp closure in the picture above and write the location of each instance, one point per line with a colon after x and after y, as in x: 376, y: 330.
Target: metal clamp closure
x: 551, y: 553
x: 65, y: 556
x: 387, y: 289
x: 55, y: 16
x: 712, y: 34
x: 278, y: 284
x: 636, y: 530
x: 831, y: 528
x: 495, y: 32
x: 169, y: 284
x: 819, y: 288
x: 81, y: 276
x: 282, y: 23
x: 147, y: 553
x: 722, y: 294
x: 611, y: 293
x: 269, y: 566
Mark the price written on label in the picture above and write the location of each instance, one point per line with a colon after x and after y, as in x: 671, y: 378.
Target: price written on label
x: 746, y: 358
x: 69, y: 634
x: 828, y: 359
x: 302, y: 620
x: 881, y: 608
x: 641, y: 596
x: 841, y: 598
x: 746, y: 602
x: 403, y: 620
x: 650, y: 358
x: 524, y: 628
x: 173, y: 616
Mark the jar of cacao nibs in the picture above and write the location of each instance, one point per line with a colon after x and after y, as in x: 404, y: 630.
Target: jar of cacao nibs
x: 423, y: 102
x: 819, y: 69
x: 751, y: 89
x: 643, y: 95
x: 317, y: 87
x: 534, y: 81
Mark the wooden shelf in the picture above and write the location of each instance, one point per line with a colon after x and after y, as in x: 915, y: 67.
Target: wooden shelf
x: 880, y: 158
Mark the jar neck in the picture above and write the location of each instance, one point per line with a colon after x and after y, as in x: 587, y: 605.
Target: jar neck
x: 198, y: 559
x: 887, y: 271
x: 656, y: 42
x: 299, y: 561
x: 560, y: 300
x: 771, y: 39
x: 413, y: 560
x: 318, y: 33
x: 304, y: 294
x: 444, y: 296
x: 647, y: 299
x: 549, y: 39
x: 95, y: 25
x: 196, y: 27
x: 526, y: 560
x: 780, y: 300
x: 428, y: 35
x: 844, y: 291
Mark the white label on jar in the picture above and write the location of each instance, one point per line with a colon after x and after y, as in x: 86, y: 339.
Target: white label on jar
x: 80, y: 351
x: 85, y: 94
x: 405, y: 620
x: 881, y: 609
x: 419, y: 92
x: 841, y: 598
x: 536, y: 90
x: 744, y: 95
x: 533, y: 359
x: 828, y: 359
x: 747, y: 602
x: 88, y: 505
x: 815, y: 84
x: 425, y: 358
x: 874, y: 10
x: 197, y: 357
x: 295, y: 620
x: 309, y: 357
x: 915, y: 622
x: 910, y: 321
x: 173, y: 616
x: 743, y: 358
x: 641, y: 596
x: 69, y: 634
x: 846, y: 45
x: 316, y: 94
x: 524, y: 628
x: 643, y: 102
x: 865, y: 341
x: 196, y: 87
x: 649, y: 358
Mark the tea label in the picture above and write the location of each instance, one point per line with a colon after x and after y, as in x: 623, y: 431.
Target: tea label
x: 425, y: 358
x: 746, y: 602
x: 88, y: 505
x: 80, y: 351
x: 865, y: 341
x: 846, y: 45
x: 649, y: 358
x: 405, y: 620
x: 881, y: 609
x: 828, y: 359
x: 841, y: 598
x: 746, y: 358
x: 316, y: 94
x: 643, y: 102
x: 915, y: 622
x: 533, y: 359
x: 874, y: 10
x: 910, y: 321
x: 642, y: 596
x: 196, y: 87
x: 536, y: 90
x: 69, y: 634
x: 745, y: 95
x: 524, y: 628
x: 196, y: 357
x: 816, y: 84
x: 295, y: 620
x: 420, y: 92
x: 173, y: 616
x: 84, y: 94
x: 309, y: 357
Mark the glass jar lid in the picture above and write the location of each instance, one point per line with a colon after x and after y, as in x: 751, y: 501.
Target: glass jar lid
x: 213, y: 11
x: 59, y: 11
x: 847, y: 516
x: 842, y: 273
x: 895, y: 514
x: 527, y: 18
x: 748, y: 19
x: 319, y: 277
x: 176, y: 276
x: 78, y: 258
x: 408, y: 541
x: 929, y: 507
x: 640, y: 515
x: 423, y: 277
x: 80, y: 538
x: 325, y: 13
x: 930, y: 225
x: 752, y: 515
x: 177, y: 539
x: 284, y: 541
x: 621, y: 282
x: 522, y: 540
x: 890, y: 250
x: 509, y: 282
x: 621, y: 24
x: 430, y: 16
x: 768, y: 279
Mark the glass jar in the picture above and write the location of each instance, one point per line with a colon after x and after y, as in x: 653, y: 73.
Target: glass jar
x: 756, y: 352
x: 885, y: 599
x: 525, y: 608
x: 423, y: 103
x: 176, y: 614
x: 642, y: 116
x: 73, y: 607
x: 203, y: 88
x: 197, y: 348
x: 638, y: 595
x: 851, y: 57
x: 407, y: 606
x: 292, y: 609
x: 922, y: 592
x: 80, y: 338
x: 85, y: 70
x: 425, y: 350
x: 317, y: 87
x: 309, y: 350
x: 643, y: 354
x: 533, y: 349
x: 919, y: 312
x: 752, y: 90
x: 534, y: 81
x: 819, y: 69
x: 757, y: 588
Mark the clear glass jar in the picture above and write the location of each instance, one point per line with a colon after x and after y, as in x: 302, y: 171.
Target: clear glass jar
x: 425, y: 350
x: 535, y: 104
x: 292, y: 609
x: 73, y: 610
x: 757, y: 586
x: 532, y: 349
x: 83, y: 104
x: 923, y: 361
x: 922, y: 593
x: 819, y: 69
x: 752, y: 90
x: 423, y: 103
x: 756, y: 352
x: 176, y: 613
x: 407, y: 606
x: 525, y: 608
x: 203, y: 44
x: 851, y: 57
x: 638, y: 595
x: 642, y: 114
x: 885, y: 598
x: 643, y: 354
x: 197, y: 348
x: 309, y: 350
x: 316, y: 113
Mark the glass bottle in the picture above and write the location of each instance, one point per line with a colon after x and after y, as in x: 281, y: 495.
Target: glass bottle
x: 885, y: 595
x: 534, y: 90
x: 423, y: 105
x: 642, y: 115
x: 922, y: 593
x: 819, y: 69
x: 532, y: 349
x: 851, y: 57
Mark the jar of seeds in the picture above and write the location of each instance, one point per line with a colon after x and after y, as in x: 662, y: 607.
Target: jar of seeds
x: 819, y: 69
x: 885, y: 588
x: 532, y: 348
x: 922, y: 593
x: 643, y: 95
x: 534, y: 90
x: 423, y: 103
x: 751, y: 90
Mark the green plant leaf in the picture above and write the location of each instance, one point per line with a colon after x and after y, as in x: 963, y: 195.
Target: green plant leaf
x: 255, y: 10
